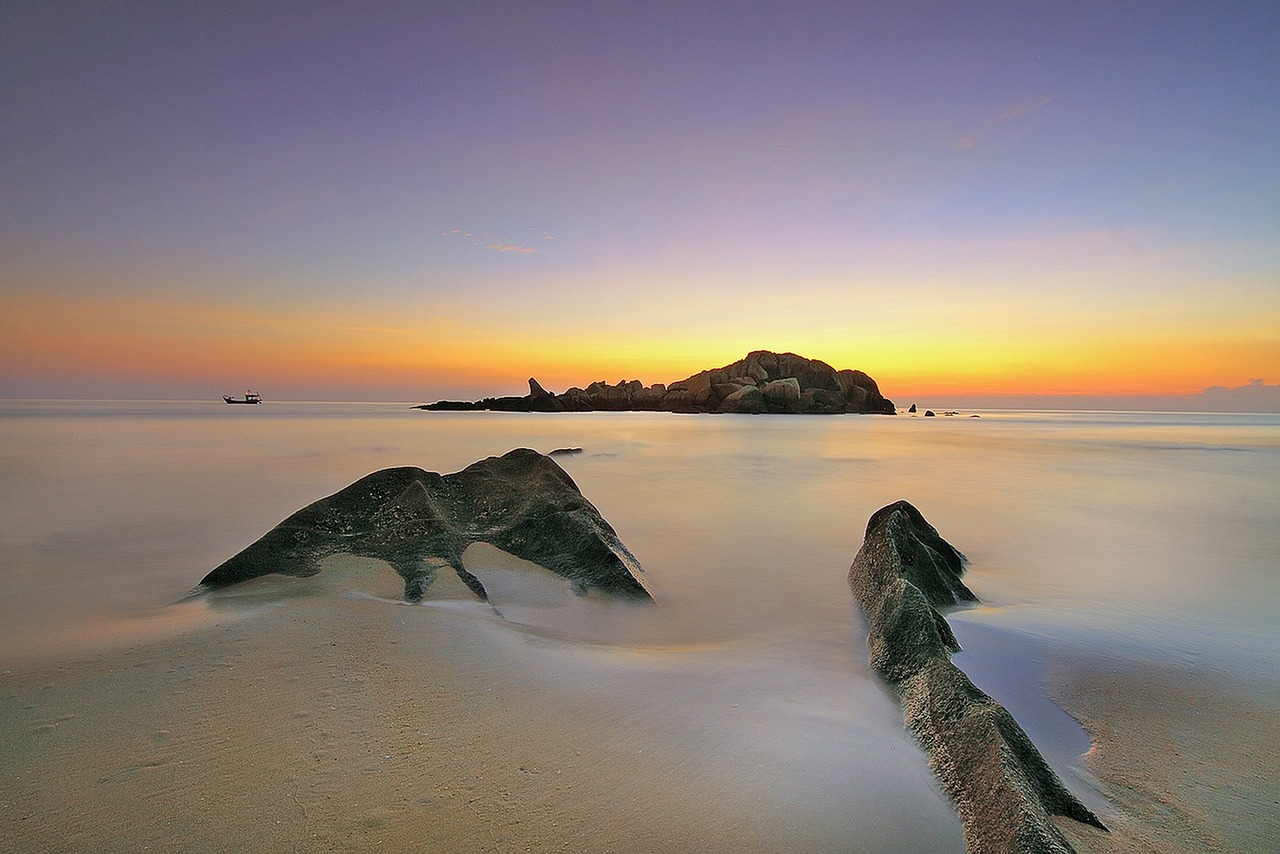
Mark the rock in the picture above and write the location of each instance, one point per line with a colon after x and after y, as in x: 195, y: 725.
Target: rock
x: 826, y: 402
x: 722, y: 391
x: 697, y: 387
x: 923, y: 558
x: 541, y: 400
x: 679, y: 399
x: 506, y: 404
x: 451, y: 406
x: 615, y: 398
x: 782, y: 392
x: 565, y: 452
x: 649, y: 399
x: 790, y: 383
x: 575, y: 400
x: 928, y: 413
x: 420, y: 521
x: 747, y: 400
x: 912, y: 409
x: 1003, y: 789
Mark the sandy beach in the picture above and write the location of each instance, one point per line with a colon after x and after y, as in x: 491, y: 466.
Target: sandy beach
x: 1190, y: 760
x: 319, y: 714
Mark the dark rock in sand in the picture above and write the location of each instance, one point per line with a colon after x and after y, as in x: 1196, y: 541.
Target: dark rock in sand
x: 1004, y: 790
x: 923, y: 558
x: 420, y: 521
x: 763, y: 382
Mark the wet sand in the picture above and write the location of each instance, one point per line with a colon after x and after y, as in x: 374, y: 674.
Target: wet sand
x: 322, y: 715
x: 1189, y: 758
x: 318, y: 714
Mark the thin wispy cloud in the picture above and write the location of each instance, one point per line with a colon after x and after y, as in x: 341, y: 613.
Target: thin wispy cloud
x: 1014, y: 113
x: 499, y: 243
x: 517, y: 248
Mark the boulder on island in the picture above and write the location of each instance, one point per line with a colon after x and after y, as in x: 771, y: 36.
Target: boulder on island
x: 420, y: 521
x: 1003, y: 789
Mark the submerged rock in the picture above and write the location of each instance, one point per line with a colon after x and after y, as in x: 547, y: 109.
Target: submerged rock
x: 1004, y: 790
x: 420, y: 521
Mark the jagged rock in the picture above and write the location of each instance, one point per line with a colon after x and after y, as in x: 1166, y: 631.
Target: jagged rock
x: 649, y: 399
x: 679, y: 399
x: 1003, y: 789
x: 912, y: 409
x: 541, y: 400
x: 575, y: 400
x: 790, y: 384
x: 921, y: 556
x: 617, y: 398
x: 420, y: 521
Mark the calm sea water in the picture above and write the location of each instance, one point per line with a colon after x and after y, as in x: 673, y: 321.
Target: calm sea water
x: 1144, y: 534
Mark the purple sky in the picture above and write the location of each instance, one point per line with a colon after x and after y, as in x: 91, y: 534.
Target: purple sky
x: 852, y: 181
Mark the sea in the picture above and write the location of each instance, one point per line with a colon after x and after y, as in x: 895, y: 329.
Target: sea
x: 1147, y: 536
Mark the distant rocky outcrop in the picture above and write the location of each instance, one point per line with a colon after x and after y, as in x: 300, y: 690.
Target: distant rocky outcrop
x: 1004, y: 790
x: 420, y: 521
x: 763, y: 382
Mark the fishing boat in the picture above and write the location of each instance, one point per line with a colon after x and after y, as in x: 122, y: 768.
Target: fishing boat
x: 249, y: 397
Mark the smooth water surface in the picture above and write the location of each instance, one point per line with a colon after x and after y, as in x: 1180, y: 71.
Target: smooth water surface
x: 1153, y: 528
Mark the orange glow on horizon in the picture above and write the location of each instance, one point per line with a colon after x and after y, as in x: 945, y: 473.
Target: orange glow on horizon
x: 444, y: 355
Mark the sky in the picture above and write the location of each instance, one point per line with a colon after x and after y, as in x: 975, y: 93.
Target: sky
x: 408, y: 201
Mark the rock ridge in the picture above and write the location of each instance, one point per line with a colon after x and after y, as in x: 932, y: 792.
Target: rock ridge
x: 1004, y: 790
x: 420, y: 521
x: 762, y: 382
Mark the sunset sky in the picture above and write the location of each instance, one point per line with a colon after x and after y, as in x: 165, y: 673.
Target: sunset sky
x: 409, y: 201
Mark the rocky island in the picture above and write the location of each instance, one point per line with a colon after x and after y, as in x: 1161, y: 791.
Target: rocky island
x: 763, y: 382
x: 1004, y: 790
x: 420, y: 521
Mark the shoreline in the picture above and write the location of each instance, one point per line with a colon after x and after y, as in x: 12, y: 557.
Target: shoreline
x: 1190, y: 758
